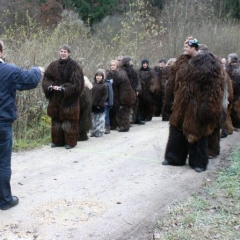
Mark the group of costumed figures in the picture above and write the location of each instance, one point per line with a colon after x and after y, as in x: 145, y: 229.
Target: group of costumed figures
x: 196, y: 94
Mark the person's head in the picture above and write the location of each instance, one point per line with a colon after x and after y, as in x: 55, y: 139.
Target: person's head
x: 1, y: 48
x: 162, y: 63
x: 119, y: 58
x: 232, y: 58
x: 99, y: 76
x: 103, y: 71
x: 145, y: 63
x: 65, y: 51
x: 126, y: 61
x: 114, y: 65
x: 191, y: 46
x: 203, y: 48
x: 171, y: 61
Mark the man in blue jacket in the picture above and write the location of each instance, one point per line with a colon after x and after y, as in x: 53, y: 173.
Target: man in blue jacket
x: 12, y: 78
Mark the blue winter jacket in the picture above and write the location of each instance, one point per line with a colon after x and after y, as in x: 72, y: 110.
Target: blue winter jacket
x: 13, y: 78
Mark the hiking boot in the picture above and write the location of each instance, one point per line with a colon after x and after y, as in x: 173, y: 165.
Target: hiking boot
x: 107, y: 129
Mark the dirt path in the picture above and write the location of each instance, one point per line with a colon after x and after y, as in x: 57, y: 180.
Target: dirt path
x: 110, y: 188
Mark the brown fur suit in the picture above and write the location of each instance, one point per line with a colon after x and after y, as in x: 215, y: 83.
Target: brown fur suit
x: 85, y: 118
x: 226, y: 125
x: 193, y: 98
x: 233, y: 71
x: 163, y: 76
x: 64, y: 106
x: 151, y: 89
x: 124, y: 98
x: 135, y: 84
x: 159, y: 97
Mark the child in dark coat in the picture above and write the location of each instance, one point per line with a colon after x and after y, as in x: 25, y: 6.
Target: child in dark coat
x: 99, y: 97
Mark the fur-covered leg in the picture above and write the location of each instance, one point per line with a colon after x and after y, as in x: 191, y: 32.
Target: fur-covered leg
x: 214, y: 143
x: 177, y: 148
x: 70, y: 129
x: 198, y: 154
x: 85, y: 118
x: 123, y: 119
x: 57, y: 133
x: 112, y: 115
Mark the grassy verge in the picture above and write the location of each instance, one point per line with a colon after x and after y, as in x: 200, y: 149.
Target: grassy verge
x: 23, y: 144
x: 213, y: 213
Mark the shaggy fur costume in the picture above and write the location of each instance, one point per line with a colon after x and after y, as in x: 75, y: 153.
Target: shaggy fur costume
x: 85, y: 118
x: 194, y: 98
x: 124, y: 98
x: 159, y: 97
x: 64, y: 106
x: 149, y: 95
x: 226, y: 123
x: 135, y: 84
x: 233, y: 71
x: 163, y: 77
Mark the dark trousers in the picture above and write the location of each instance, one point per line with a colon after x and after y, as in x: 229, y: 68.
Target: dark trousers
x: 107, y: 117
x: 178, y: 149
x: 5, y: 162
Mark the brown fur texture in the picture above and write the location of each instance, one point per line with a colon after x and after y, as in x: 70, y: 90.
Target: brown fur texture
x: 194, y: 99
x: 226, y: 125
x: 64, y: 106
x: 135, y: 84
x: 124, y: 98
x: 233, y: 71
x: 85, y: 118
x: 198, y: 94
x: 151, y: 89
x: 164, y: 74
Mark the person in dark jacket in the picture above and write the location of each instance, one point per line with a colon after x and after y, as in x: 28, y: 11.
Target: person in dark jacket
x: 108, y: 105
x: 12, y: 78
x: 99, y: 97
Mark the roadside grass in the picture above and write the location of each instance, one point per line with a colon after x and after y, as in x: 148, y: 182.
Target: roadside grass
x: 212, y: 213
x: 26, y: 144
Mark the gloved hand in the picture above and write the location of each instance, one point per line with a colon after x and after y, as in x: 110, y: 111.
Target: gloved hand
x: 50, y: 88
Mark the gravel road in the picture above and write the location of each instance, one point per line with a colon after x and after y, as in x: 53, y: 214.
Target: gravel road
x: 109, y: 188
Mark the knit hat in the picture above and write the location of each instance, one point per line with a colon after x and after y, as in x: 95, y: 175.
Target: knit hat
x: 145, y: 61
x: 162, y: 60
x: 191, y: 41
x: 233, y: 57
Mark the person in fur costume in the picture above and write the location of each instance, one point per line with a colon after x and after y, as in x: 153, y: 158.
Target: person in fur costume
x: 151, y: 89
x: 124, y: 98
x: 63, y: 84
x: 233, y: 70
x: 194, y: 96
x: 127, y: 66
x: 85, y: 118
x: 225, y: 123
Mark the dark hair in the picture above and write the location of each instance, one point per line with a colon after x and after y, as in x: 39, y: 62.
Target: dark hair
x: 233, y: 57
x: 145, y: 61
x: 66, y: 47
x: 99, y: 73
x: 192, y: 42
x: 162, y: 60
x: 1, y: 46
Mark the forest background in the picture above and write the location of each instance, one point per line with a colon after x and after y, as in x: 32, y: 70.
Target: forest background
x: 98, y: 31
